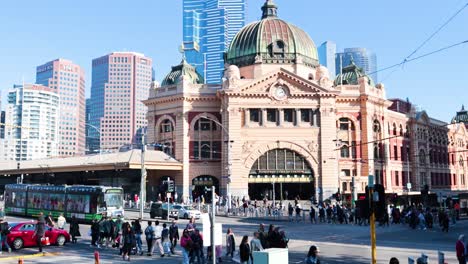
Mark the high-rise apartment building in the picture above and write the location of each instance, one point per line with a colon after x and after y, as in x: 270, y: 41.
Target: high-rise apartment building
x: 208, y: 28
x: 68, y: 80
x: 32, y: 118
x: 327, y: 53
x: 117, y: 116
x: 363, y: 58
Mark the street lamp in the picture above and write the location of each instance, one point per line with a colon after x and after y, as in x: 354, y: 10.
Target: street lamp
x: 229, y: 167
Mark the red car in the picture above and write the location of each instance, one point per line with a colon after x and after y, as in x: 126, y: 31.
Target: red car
x: 21, y: 235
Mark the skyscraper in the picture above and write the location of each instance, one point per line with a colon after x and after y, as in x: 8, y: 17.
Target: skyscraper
x: 120, y: 82
x: 363, y: 58
x: 68, y: 80
x: 208, y: 28
x: 327, y: 52
x: 32, y: 116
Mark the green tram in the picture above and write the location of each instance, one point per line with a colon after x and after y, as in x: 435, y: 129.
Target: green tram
x: 84, y: 202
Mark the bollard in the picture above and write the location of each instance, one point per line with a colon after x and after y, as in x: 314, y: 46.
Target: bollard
x: 96, y: 257
x: 410, y: 260
x: 441, y: 257
x: 20, y: 261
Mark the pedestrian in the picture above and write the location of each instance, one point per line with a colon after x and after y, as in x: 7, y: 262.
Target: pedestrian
x: 263, y: 236
x: 127, y: 240
x: 394, y: 261
x: 255, y: 245
x: 95, y: 231
x: 445, y: 222
x: 312, y: 215
x: 186, y: 245
x: 61, y: 221
x: 4, y: 231
x: 298, y: 212
x: 149, y: 231
x: 116, y: 228
x: 157, y: 239
x: 197, y: 247
x: 191, y: 225
x: 39, y: 231
x: 138, y: 231
x: 460, y: 249
x: 173, y: 235
x: 244, y: 250
x: 230, y: 243
x: 74, y: 229
x: 290, y: 212
x: 49, y: 220
x: 165, y: 240
x: 312, y: 256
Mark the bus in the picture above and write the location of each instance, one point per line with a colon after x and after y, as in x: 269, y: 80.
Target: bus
x: 82, y: 201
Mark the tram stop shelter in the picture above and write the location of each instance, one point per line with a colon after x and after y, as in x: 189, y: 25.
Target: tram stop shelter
x: 119, y: 169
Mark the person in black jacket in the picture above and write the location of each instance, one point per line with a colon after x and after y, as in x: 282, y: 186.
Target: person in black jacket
x: 39, y: 231
x: 138, y: 231
x: 244, y: 250
x: 173, y: 235
x: 95, y: 233
x: 128, y: 241
x: 74, y: 229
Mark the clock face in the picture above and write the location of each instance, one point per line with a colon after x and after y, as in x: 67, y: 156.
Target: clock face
x: 280, y: 92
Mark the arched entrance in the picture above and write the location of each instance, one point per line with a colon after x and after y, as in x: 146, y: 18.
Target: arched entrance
x: 284, y: 172
x: 200, y: 184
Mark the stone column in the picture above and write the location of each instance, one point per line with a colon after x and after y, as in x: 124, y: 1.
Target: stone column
x: 280, y: 117
x: 298, y: 117
x: 247, y: 117
x: 264, y: 116
x: 328, y: 180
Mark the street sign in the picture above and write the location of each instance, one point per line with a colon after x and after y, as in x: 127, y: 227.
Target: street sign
x: 408, y: 185
x: 168, y: 195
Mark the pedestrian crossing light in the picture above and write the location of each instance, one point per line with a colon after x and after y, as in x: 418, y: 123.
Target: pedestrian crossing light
x: 170, y: 186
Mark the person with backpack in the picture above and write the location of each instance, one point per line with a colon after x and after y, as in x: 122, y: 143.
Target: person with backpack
x: 173, y: 235
x: 186, y: 245
x: 4, y: 231
x: 197, y: 247
x: 95, y: 230
x: 149, y: 231
x: 165, y: 240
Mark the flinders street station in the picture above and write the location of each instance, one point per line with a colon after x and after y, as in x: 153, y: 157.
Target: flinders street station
x: 279, y: 123
x: 277, y: 127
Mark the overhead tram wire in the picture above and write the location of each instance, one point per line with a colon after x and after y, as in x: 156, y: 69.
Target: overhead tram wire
x: 435, y: 32
x: 419, y: 57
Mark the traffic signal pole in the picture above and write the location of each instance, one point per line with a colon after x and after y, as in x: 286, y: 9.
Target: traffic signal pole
x: 372, y: 226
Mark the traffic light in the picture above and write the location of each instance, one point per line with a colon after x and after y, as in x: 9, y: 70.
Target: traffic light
x: 379, y: 201
x: 170, y: 186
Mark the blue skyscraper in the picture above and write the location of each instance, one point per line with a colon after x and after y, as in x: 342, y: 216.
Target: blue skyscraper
x: 208, y: 28
x: 362, y: 57
x: 327, y: 52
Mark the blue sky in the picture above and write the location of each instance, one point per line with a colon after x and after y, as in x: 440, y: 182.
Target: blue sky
x: 34, y: 32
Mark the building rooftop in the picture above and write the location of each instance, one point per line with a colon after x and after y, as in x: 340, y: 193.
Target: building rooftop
x: 154, y: 160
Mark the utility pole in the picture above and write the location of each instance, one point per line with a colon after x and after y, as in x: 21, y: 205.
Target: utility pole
x: 167, y: 196
x: 143, y: 176
x: 372, y: 219
x: 213, y: 215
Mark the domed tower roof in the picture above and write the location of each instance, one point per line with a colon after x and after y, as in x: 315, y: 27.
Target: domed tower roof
x: 461, y: 117
x: 273, y: 41
x: 183, y: 70
x: 350, y: 75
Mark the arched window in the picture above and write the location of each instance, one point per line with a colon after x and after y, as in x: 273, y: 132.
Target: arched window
x: 461, y: 161
x: 346, y: 124
x: 407, y: 133
x: 277, y: 49
x: 394, y: 129
x: 205, y: 140
x: 401, y: 130
x: 166, y: 126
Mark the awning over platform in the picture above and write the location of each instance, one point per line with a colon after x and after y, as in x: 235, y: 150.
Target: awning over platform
x: 154, y: 160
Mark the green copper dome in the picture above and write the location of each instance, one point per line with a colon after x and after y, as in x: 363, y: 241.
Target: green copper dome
x: 271, y: 40
x: 183, y: 70
x: 350, y: 75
